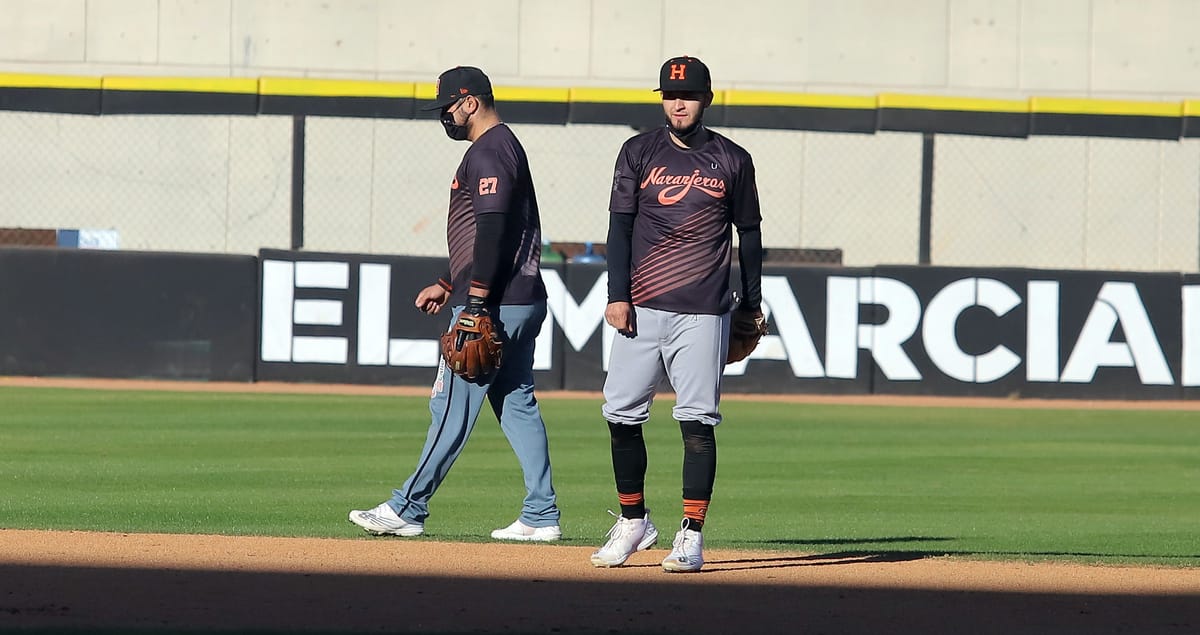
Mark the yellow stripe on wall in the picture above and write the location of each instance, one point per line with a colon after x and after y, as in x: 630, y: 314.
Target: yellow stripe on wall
x: 1191, y: 108
x: 1064, y: 106
x: 427, y: 92
x: 15, y: 80
x: 247, y: 85
x: 614, y: 96
x: 803, y: 100
x: 968, y: 104
x: 305, y: 87
x: 311, y: 87
x: 516, y: 93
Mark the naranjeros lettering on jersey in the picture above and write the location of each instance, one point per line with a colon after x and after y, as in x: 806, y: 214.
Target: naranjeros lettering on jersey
x: 672, y: 188
x: 494, y: 177
x: 684, y: 201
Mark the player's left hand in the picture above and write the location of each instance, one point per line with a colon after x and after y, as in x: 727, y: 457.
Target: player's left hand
x: 431, y: 299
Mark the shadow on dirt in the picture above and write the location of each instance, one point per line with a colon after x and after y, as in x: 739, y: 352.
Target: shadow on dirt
x: 47, y: 599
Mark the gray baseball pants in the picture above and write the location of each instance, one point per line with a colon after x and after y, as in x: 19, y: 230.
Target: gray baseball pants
x: 688, y: 348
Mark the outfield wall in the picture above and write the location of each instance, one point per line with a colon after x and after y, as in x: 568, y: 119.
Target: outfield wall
x: 348, y: 318
x: 82, y: 313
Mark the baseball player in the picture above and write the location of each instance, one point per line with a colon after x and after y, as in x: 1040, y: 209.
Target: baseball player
x: 494, y: 240
x: 677, y: 193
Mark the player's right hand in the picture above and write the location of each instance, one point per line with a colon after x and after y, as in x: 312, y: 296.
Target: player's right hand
x: 431, y: 299
x: 620, y: 316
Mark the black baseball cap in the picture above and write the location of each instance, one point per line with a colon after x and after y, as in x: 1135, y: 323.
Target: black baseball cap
x: 457, y: 83
x: 684, y: 74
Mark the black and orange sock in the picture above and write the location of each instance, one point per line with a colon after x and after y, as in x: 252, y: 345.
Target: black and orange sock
x: 632, y: 505
x: 694, y: 511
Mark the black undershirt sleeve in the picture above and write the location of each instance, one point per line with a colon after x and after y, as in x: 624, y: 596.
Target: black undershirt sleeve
x: 618, y: 253
x: 750, y: 255
x: 489, y: 230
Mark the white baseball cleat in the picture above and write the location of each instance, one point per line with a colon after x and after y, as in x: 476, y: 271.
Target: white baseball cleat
x: 687, y: 551
x: 520, y: 531
x: 626, y: 536
x: 382, y: 520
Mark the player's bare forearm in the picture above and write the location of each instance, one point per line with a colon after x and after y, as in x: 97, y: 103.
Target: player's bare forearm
x: 431, y: 299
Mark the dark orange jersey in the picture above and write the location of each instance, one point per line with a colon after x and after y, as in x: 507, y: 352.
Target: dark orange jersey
x: 494, y: 178
x: 686, y: 201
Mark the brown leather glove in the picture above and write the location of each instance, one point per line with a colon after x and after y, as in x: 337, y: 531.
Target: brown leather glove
x: 746, y: 328
x: 472, y: 348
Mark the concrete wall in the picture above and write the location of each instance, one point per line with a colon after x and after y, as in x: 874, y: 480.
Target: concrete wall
x: 221, y: 183
x: 1012, y: 48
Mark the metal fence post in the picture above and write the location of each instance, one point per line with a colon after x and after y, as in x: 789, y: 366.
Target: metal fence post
x: 926, y: 221
x: 298, y: 182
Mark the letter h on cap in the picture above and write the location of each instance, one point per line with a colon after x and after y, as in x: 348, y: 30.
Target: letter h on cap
x: 679, y: 71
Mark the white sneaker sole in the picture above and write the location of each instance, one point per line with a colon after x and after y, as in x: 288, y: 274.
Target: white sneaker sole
x: 408, y: 531
x: 674, y: 566
x: 499, y: 535
x: 649, y: 540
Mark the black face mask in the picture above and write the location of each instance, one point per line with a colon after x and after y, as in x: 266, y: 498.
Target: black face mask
x: 453, y: 130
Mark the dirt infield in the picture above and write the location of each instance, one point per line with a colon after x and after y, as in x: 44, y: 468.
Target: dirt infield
x: 79, y: 581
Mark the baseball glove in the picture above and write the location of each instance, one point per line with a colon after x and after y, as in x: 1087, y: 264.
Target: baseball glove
x: 746, y: 328
x: 472, y: 348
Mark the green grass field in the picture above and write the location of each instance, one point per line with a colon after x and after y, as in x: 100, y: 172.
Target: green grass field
x: 1083, y: 485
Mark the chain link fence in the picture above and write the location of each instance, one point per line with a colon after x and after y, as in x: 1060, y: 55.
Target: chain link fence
x: 1065, y: 202
x: 223, y: 184
x: 197, y: 184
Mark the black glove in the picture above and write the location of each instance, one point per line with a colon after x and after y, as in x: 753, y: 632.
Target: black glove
x: 476, y: 306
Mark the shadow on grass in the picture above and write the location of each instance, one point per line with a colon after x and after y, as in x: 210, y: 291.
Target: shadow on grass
x: 902, y: 555
x: 813, y: 560
x: 852, y: 541
x: 47, y: 599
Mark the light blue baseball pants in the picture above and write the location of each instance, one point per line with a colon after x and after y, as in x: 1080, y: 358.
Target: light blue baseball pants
x: 455, y: 406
